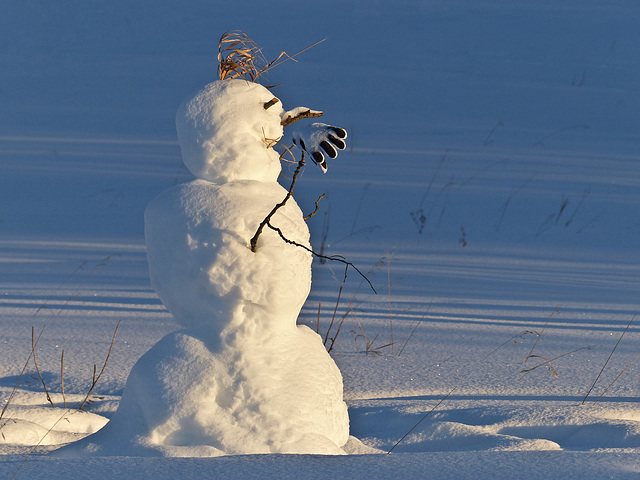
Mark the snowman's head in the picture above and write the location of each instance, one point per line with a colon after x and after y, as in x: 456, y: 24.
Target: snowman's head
x: 226, y: 133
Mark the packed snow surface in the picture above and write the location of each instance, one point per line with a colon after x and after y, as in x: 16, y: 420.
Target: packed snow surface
x: 490, y: 192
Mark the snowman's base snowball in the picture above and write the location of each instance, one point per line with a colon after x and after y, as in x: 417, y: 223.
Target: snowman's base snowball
x: 268, y: 393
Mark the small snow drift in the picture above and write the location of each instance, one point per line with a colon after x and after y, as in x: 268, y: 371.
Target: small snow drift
x: 242, y: 378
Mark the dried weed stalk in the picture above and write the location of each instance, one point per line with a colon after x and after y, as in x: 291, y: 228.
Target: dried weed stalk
x: 552, y: 370
x: 35, y: 362
x: 96, y: 378
x: 605, y: 366
x: 240, y: 57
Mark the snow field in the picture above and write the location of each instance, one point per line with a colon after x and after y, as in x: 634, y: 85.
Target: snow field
x: 515, y: 122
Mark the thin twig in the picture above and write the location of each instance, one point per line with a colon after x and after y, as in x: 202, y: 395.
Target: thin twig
x: 266, y: 222
x: 609, y: 358
x: 95, y: 379
x: 409, y: 337
x: 421, y: 420
x: 35, y: 361
x: 316, y: 209
x: 333, y: 258
x: 254, y: 239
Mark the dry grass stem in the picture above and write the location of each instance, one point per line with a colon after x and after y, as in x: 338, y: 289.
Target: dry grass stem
x: 551, y: 360
x: 605, y: 363
x: 284, y: 56
x: 413, y: 331
x: 343, y: 317
x: 35, y: 361
x: 540, y: 335
x: 33, y: 449
x: 616, y: 379
x: 335, y: 311
x: 97, y: 378
x: 422, y: 419
x: 552, y: 371
x: 60, y: 285
x: 286, y: 150
x: 15, y: 387
x: 240, y: 57
x: 513, y: 339
x: 74, y: 295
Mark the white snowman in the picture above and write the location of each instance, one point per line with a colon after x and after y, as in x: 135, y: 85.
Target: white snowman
x: 242, y: 377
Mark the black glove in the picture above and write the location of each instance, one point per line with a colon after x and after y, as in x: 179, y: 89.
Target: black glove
x: 320, y: 139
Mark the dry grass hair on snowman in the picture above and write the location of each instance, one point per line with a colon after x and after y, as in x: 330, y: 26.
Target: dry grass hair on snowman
x: 240, y: 57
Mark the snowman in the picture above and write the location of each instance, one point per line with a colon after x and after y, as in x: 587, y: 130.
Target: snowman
x: 241, y: 377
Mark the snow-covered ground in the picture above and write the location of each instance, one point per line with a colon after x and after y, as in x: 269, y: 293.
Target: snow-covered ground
x: 491, y: 194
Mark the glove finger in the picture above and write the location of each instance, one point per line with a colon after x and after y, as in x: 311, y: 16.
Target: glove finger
x: 318, y: 158
x: 340, y: 132
x: 329, y: 149
x: 340, y: 144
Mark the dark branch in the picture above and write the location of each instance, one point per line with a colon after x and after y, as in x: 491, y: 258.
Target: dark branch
x: 317, y: 205
x: 266, y: 222
x: 334, y: 258
x: 254, y: 239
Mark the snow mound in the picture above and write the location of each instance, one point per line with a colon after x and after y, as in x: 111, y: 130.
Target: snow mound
x: 498, y: 428
x: 187, y: 398
x: 38, y: 425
